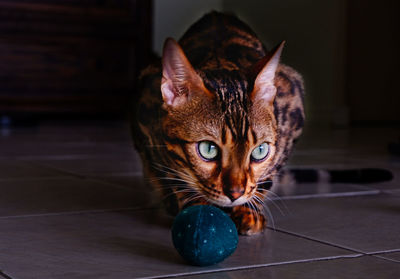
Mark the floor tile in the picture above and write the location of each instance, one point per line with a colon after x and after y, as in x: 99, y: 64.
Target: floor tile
x: 347, y: 160
x: 66, y: 141
x: 126, y: 244
x: 68, y: 132
x: 394, y: 184
x: 10, y: 169
x: 322, y: 159
x: 363, y: 223
x: 25, y: 197
x: 29, y: 149
x: 63, y: 183
x: 306, y: 190
x: 347, y: 268
x: 122, y: 180
x: 96, y: 166
x: 395, y: 192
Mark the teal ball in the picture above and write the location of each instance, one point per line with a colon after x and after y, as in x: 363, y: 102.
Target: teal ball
x: 204, y: 235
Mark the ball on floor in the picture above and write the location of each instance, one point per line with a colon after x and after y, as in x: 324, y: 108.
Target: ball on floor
x: 204, y: 235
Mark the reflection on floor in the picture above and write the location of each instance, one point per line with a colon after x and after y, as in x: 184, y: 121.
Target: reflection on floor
x: 73, y: 205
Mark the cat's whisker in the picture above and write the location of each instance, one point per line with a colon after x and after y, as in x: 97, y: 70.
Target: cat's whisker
x: 172, y: 174
x: 262, y: 181
x: 275, y: 200
x: 176, y: 186
x: 258, y: 200
x: 270, y: 193
x: 171, y: 182
x: 184, y: 191
x: 264, y: 178
x: 194, y: 197
x: 277, y: 206
x: 179, y: 183
x: 169, y: 170
x: 185, y: 179
x: 164, y: 197
x: 258, y: 210
x: 263, y: 189
x: 253, y: 207
x: 266, y: 208
x: 173, y: 179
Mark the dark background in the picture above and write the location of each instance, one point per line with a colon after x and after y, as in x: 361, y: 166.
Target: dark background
x: 71, y: 58
x: 79, y: 59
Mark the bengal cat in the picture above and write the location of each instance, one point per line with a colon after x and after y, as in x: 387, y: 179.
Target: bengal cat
x: 216, y: 119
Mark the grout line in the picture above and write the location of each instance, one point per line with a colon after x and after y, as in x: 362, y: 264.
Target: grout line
x: 381, y: 254
x: 2, y: 274
x: 76, y: 212
x: 239, y: 268
x: 318, y: 240
x: 394, y: 191
x: 377, y: 254
x: 386, y: 259
x: 384, y: 252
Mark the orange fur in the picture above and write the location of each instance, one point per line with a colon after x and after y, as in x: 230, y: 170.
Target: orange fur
x: 219, y: 85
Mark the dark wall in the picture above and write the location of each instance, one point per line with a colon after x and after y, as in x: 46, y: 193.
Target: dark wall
x: 373, y: 61
x: 314, y: 32
x: 71, y: 55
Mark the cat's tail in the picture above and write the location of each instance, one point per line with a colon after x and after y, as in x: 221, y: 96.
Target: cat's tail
x: 354, y: 176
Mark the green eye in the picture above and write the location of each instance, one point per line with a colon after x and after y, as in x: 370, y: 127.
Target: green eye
x: 208, y: 150
x: 260, y: 152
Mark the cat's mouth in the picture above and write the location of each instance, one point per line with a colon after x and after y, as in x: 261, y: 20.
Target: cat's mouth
x: 220, y: 199
x: 226, y: 202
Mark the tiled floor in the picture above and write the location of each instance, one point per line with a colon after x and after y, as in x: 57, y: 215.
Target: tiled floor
x: 73, y: 205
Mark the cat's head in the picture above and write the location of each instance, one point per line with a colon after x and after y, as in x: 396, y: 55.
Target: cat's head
x: 219, y: 126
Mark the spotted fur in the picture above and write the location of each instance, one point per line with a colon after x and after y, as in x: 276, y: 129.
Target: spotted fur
x: 214, y: 86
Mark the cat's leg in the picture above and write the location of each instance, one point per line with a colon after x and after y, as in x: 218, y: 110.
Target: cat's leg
x: 248, y: 221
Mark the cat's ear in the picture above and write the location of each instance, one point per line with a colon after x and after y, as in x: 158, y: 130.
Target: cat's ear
x: 264, y: 73
x: 179, y: 77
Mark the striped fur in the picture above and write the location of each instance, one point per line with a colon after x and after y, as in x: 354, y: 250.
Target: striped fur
x: 218, y: 97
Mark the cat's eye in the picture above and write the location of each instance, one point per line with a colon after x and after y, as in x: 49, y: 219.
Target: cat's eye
x: 208, y: 150
x: 260, y: 152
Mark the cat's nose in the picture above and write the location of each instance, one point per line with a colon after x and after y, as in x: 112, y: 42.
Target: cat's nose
x: 234, y: 194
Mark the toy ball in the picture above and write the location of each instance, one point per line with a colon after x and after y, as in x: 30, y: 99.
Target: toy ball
x: 204, y: 235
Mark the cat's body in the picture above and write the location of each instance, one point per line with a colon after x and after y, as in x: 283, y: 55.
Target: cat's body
x: 207, y: 115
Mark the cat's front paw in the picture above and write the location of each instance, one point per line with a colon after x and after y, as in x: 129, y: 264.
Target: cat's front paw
x: 248, y: 221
